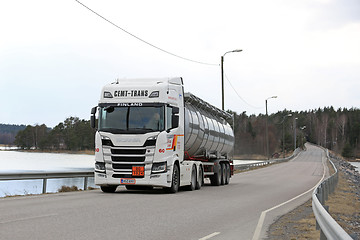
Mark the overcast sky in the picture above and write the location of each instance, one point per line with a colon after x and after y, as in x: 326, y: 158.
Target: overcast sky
x: 56, y: 55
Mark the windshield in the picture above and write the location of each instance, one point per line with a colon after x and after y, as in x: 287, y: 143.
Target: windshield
x: 131, y: 119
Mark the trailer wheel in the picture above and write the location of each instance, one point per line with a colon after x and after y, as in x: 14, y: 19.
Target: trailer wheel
x: 193, y: 182
x: 216, y: 178
x: 228, y: 173
x: 200, y: 180
x: 175, y: 180
x: 223, y: 174
x: 108, y: 189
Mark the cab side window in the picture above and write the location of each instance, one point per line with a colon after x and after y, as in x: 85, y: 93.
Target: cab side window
x: 168, y: 117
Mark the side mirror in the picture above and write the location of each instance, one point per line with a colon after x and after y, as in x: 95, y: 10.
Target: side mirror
x: 92, y: 121
x: 93, y: 110
x: 92, y: 117
x: 175, y: 121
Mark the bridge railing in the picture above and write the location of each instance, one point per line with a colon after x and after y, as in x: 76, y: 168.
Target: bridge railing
x: 48, y: 175
x: 329, y: 228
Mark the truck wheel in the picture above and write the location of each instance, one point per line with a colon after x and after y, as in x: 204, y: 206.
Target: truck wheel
x: 200, y: 180
x: 216, y: 178
x: 228, y: 173
x: 175, y: 180
x: 193, y: 182
x: 223, y: 174
x: 108, y: 189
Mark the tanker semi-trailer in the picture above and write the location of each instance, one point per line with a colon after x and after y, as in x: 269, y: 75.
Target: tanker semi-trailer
x: 152, y: 134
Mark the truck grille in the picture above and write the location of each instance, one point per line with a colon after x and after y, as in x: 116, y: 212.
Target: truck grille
x: 122, y: 159
x: 128, y: 151
x: 127, y: 159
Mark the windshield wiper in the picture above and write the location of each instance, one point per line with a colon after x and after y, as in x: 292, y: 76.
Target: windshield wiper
x: 112, y: 130
x: 143, y: 129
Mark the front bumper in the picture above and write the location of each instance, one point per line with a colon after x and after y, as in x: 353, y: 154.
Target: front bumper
x: 155, y: 180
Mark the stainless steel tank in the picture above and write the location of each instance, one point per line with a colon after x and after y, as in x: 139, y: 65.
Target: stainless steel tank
x: 207, y: 134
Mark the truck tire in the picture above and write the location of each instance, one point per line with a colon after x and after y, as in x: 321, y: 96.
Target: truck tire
x: 228, y: 174
x: 223, y: 174
x: 200, y: 179
x: 175, y: 182
x: 193, y: 177
x: 109, y: 188
x: 216, y: 178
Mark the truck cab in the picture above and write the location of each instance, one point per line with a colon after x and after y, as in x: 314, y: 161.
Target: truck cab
x: 138, y: 138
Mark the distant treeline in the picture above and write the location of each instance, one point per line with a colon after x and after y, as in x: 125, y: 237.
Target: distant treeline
x: 72, y: 134
x: 337, y: 130
x: 8, y: 133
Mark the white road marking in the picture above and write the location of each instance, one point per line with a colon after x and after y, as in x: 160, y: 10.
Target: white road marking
x: 27, y: 218
x: 210, y: 236
x: 259, y: 226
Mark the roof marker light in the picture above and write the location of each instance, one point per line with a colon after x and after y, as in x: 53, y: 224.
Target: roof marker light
x: 154, y: 94
x: 108, y: 95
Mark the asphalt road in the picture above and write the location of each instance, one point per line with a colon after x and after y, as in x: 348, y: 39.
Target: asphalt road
x: 241, y: 210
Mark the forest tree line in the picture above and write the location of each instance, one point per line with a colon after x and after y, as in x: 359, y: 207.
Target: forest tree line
x: 8, y: 133
x: 73, y: 134
x: 337, y: 130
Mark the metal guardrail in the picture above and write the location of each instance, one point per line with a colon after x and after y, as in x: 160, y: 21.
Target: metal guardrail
x: 266, y: 162
x: 47, y: 175
x: 329, y: 228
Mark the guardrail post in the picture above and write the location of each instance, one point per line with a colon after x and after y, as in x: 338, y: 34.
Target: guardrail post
x: 322, y: 197
x: 326, y: 192
x: 44, y: 185
x: 332, y: 184
x: 86, y: 179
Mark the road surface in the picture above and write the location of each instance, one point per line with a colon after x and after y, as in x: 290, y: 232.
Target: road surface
x: 241, y: 210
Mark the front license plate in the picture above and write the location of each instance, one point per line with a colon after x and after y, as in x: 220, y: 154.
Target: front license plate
x: 138, y: 171
x: 127, y: 181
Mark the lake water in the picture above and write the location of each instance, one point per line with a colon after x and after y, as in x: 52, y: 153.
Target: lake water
x: 22, y: 162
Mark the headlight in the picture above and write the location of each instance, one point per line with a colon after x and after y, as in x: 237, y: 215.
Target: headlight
x: 158, y: 167
x: 151, y: 141
x: 106, y: 141
x: 100, y: 166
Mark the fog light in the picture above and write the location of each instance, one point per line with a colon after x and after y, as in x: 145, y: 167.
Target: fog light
x: 100, y: 166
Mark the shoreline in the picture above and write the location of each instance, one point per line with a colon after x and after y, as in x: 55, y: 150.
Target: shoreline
x: 14, y: 148
x: 87, y: 152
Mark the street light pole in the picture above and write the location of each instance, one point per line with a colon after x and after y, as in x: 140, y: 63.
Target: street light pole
x: 289, y: 115
x: 302, y: 135
x: 266, y: 128
x: 295, y: 133
x: 222, y: 77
